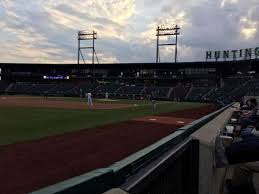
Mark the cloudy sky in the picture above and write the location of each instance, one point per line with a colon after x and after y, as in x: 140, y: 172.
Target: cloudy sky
x: 46, y: 30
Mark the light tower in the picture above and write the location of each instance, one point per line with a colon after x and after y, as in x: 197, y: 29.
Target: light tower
x: 90, y: 37
x: 162, y: 31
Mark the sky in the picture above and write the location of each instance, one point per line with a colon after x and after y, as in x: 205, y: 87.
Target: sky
x: 45, y: 31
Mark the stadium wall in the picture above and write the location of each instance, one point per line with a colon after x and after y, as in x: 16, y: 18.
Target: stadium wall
x: 211, y: 179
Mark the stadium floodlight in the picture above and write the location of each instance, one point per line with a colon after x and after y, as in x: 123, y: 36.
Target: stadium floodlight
x: 167, y: 31
x: 85, y: 35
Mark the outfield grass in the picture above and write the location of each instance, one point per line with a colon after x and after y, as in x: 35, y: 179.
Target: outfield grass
x: 21, y: 124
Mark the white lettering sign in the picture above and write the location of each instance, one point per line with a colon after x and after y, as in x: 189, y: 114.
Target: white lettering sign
x: 244, y: 54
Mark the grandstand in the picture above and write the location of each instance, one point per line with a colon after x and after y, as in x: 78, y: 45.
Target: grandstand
x: 229, y: 87
x: 232, y: 90
x: 197, y: 93
x: 3, y: 86
x: 129, y: 91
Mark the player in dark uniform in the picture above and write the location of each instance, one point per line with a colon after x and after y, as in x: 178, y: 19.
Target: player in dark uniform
x: 45, y: 95
x: 153, y: 100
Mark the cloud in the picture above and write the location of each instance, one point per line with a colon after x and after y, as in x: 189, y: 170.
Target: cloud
x: 249, y: 28
x: 210, y: 25
x: 107, y: 16
x: 45, y: 30
x: 224, y: 2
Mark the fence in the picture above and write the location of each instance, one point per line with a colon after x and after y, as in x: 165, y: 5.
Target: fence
x: 177, y: 172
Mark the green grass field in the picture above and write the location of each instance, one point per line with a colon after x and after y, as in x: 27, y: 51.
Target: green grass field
x: 21, y: 124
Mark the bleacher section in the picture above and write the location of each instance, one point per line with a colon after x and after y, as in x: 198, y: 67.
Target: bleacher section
x: 81, y: 89
x: 103, y: 88
x: 232, y: 89
x: 162, y: 92
x: 61, y: 89
x: 3, y: 86
x: 39, y: 89
x: 129, y: 90
x: 230, y: 84
x: 158, y: 92
x: 19, y: 88
x: 197, y: 93
x: 179, y: 92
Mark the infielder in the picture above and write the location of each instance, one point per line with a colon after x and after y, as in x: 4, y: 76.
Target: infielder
x: 89, y: 99
x: 153, y: 100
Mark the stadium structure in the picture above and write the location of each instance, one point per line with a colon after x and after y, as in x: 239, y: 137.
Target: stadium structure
x: 223, y: 82
x: 166, y: 153
x: 212, y: 81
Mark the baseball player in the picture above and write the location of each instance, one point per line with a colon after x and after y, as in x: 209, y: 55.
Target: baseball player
x: 89, y: 99
x: 153, y: 100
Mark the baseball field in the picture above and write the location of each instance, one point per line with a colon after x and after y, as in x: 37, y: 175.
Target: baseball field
x: 44, y: 141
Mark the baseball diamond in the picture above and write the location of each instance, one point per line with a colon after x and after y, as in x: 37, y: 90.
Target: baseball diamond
x: 64, y: 155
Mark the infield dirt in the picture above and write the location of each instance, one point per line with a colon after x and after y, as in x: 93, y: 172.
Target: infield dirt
x: 13, y: 101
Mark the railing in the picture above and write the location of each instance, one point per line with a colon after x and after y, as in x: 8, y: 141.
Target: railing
x: 177, y: 172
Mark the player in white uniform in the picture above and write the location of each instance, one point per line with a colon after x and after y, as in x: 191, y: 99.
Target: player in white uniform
x: 89, y: 99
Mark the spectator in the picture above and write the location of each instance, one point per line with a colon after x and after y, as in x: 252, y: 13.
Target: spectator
x: 245, y: 153
x: 250, y: 118
x: 241, y: 102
